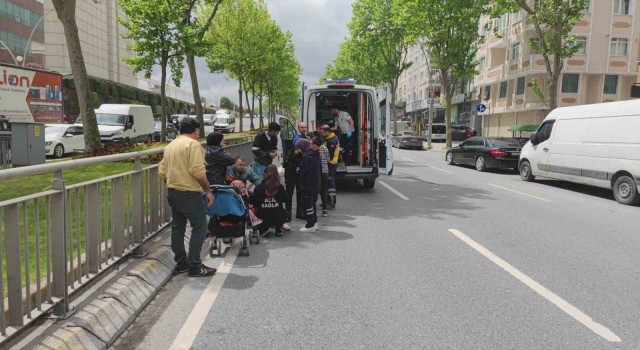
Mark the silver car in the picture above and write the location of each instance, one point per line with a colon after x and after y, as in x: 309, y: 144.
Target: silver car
x: 407, y: 139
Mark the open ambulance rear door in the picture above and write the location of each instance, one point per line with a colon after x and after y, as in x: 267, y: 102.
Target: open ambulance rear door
x: 385, y: 151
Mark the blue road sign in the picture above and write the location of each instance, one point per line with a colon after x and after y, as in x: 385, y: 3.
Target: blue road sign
x: 481, y: 108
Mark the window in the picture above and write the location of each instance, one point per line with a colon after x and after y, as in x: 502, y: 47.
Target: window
x: 517, y: 16
x: 503, y: 90
x: 534, y: 43
x: 520, y: 86
x: 570, y: 82
x: 587, y: 9
x: 501, y: 23
x: 515, y: 51
x: 621, y: 7
x: 487, y: 93
x: 482, y: 63
x: 618, y: 47
x: 582, y: 41
x: 544, y: 133
x: 610, y: 84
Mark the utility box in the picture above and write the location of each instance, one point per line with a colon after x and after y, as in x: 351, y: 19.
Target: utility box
x: 27, y: 144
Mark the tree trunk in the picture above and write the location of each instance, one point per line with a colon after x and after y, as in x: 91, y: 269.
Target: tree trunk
x: 240, y: 103
x: 253, y: 106
x: 163, y: 93
x: 448, y: 121
x: 196, y: 92
x: 66, y: 11
x: 260, y: 110
x: 246, y: 95
x: 394, y: 114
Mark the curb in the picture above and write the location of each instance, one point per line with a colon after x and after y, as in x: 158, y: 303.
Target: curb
x: 98, y: 324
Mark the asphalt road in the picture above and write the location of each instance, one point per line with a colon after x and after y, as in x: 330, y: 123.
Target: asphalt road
x: 434, y: 257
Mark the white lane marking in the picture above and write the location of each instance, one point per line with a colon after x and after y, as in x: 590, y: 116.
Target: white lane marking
x: 409, y: 159
x: 191, y: 327
x: 518, y: 192
x: 562, y: 304
x: 444, y: 171
x: 402, y: 196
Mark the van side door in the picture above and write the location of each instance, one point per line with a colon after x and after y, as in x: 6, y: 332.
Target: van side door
x: 540, y: 155
x: 385, y: 151
x: 566, y: 150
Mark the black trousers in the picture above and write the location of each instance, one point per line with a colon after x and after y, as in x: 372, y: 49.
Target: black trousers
x: 292, y: 184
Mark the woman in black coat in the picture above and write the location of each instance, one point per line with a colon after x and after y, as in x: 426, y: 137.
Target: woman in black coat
x: 216, y: 159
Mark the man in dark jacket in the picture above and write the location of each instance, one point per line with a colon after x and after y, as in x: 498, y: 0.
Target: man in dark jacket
x: 265, y: 148
x: 310, y: 170
x: 291, y: 177
x: 216, y: 159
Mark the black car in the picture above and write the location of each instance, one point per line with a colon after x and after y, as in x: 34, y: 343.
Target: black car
x: 172, y: 132
x: 486, y: 152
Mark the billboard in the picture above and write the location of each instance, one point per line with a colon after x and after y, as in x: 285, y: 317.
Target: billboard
x: 30, y: 95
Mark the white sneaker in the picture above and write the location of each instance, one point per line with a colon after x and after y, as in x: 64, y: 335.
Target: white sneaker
x: 314, y: 228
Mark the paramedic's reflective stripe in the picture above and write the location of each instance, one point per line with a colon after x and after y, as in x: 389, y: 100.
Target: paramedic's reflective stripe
x: 255, y: 148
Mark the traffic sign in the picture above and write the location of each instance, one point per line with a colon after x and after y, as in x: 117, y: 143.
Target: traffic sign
x: 481, y: 108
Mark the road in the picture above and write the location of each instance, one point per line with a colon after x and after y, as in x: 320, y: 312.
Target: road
x: 246, y: 124
x: 434, y: 257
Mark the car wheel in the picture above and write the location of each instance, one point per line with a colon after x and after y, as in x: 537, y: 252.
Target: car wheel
x: 368, y: 183
x: 525, y: 171
x: 625, y: 191
x: 480, y: 164
x: 149, y: 139
x: 449, y: 158
x: 127, y: 140
x: 58, y: 152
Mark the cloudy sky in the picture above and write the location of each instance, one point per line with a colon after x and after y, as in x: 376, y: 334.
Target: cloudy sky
x: 318, y: 27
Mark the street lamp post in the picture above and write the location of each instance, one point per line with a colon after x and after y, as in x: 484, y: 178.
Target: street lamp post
x: 10, y: 53
x: 26, y: 46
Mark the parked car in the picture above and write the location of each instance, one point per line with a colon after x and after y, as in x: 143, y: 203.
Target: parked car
x: 596, y: 145
x: 486, y: 152
x: 175, y: 119
x: 172, y: 132
x: 60, y: 139
x: 406, y: 139
x: 209, y: 119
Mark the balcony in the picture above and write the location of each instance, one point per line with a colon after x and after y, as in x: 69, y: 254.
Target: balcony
x: 498, y: 40
x: 495, y: 74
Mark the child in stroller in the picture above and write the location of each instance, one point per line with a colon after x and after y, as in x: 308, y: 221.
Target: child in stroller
x: 229, y: 218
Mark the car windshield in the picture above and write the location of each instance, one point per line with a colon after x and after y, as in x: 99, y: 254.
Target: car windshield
x: 158, y: 126
x: 439, y: 129
x: 222, y: 120
x: 111, y: 119
x: 501, y: 143
x: 409, y: 133
x: 54, y: 131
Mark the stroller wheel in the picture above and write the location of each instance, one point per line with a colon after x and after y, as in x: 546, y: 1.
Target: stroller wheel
x: 212, y: 247
x: 255, y: 236
x: 245, y: 245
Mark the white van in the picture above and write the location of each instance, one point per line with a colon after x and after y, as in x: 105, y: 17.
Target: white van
x: 370, y: 111
x: 225, y: 122
x: 597, y: 145
x: 119, y: 123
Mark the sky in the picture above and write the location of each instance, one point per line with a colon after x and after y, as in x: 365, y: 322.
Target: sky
x: 318, y: 28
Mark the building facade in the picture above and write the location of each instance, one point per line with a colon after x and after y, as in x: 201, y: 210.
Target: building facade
x: 417, y: 85
x: 602, y: 71
x: 22, y: 33
x: 100, y: 36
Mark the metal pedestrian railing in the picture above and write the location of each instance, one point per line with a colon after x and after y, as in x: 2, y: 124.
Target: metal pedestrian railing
x: 5, y: 152
x: 56, y: 241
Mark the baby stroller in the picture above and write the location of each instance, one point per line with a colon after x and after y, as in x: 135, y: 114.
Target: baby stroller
x: 229, y: 219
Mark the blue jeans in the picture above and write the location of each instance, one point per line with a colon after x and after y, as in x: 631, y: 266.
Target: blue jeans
x: 258, y: 169
x: 187, y: 205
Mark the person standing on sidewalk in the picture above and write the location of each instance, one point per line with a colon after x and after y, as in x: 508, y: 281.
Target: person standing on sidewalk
x: 324, y: 176
x: 265, y: 149
x: 291, y: 177
x: 183, y: 168
x: 344, y: 123
x: 310, y: 170
x: 333, y: 145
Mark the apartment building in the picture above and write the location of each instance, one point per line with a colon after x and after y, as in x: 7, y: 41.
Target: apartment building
x: 416, y: 86
x: 22, y: 33
x: 602, y: 71
x: 100, y: 37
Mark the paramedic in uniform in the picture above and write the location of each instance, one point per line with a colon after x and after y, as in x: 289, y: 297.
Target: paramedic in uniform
x: 333, y: 145
x: 344, y: 122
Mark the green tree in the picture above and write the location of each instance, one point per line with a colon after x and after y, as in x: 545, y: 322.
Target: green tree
x: 380, y: 44
x: 66, y: 12
x: 157, y: 28
x: 226, y: 103
x: 448, y: 31
x: 553, y: 21
x: 196, y: 28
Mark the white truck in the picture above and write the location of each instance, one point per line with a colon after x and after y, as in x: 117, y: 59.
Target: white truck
x: 121, y: 123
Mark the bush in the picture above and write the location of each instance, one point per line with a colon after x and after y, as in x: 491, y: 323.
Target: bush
x: 125, y: 148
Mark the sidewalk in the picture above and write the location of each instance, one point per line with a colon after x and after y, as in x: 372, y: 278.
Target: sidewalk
x: 439, y: 146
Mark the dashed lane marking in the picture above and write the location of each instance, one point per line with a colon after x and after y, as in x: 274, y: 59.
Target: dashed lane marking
x: 518, y: 192
x: 562, y: 304
x: 396, y: 192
